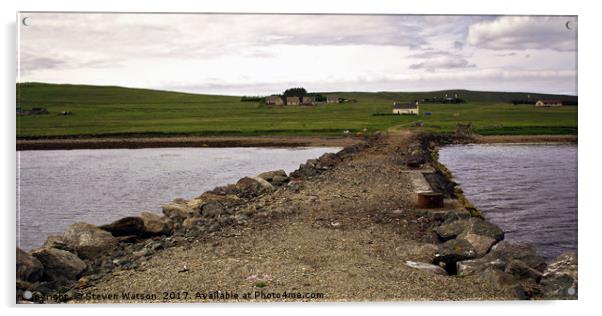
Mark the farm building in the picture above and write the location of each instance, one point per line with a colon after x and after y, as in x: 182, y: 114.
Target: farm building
x: 332, y: 99
x: 274, y: 100
x: 406, y: 108
x: 309, y: 100
x: 548, y: 103
x: 292, y: 101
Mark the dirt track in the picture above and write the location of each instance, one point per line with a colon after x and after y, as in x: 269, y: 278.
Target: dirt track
x: 339, y: 235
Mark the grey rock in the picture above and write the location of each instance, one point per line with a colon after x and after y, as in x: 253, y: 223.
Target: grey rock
x: 56, y: 241
x: 507, y: 252
x: 29, y: 268
x: 481, y: 243
x: 327, y: 161
x: 127, y: 226
x: 253, y: 186
x: 276, y: 177
x: 505, y: 283
x: 59, y: 264
x: 156, y: 225
x: 453, y: 228
x: 426, y: 267
x: 559, y: 279
x: 307, y: 169
x: 89, y: 241
x: 212, y: 209
x: 484, y: 228
x: 278, y: 180
x: 522, y: 271
x: 177, y: 211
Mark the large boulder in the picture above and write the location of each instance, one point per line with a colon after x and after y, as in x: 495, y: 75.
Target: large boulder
x: 127, y: 226
x: 505, y: 283
x: 178, y: 210
x: 452, y: 251
x: 253, y: 186
x: 522, y: 271
x: 559, y: 279
x: 307, y: 169
x: 484, y: 228
x: 426, y: 267
x: 214, y: 205
x: 453, y: 228
x: 476, y: 266
x: 29, y: 268
x: 156, y: 225
x: 481, y: 243
x: 89, y: 241
x: 59, y: 264
x: 327, y: 161
x: 417, y: 251
x: 507, y: 252
x: 276, y: 177
x: 56, y: 241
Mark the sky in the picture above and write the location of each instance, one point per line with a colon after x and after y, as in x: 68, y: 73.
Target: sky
x: 265, y: 54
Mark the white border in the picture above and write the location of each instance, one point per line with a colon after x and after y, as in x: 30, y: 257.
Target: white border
x: 589, y: 118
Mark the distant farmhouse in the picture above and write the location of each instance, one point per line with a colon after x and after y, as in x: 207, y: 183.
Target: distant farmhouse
x: 309, y: 100
x: 406, y: 108
x: 274, y: 100
x: 332, y: 99
x: 548, y: 103
x: 292, y: 101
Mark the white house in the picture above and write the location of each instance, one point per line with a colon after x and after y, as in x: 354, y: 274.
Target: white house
x: 548, y: 103
x: 406, y: 108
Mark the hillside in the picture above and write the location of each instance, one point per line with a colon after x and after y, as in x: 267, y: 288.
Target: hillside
x: 470, y: 96
x: 101, y: 111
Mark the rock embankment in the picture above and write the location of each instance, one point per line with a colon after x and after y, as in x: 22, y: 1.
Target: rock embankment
x: 345, y: 225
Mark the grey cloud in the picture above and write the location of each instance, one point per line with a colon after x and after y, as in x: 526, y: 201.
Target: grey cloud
x: 434, y: 64
x: 458, y: 45
x: 506, y: 54
x: 432, y: 60
x: 524, y: 32
x: 31, y: 62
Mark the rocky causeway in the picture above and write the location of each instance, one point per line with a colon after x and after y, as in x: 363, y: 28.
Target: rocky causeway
x: 342, y: 227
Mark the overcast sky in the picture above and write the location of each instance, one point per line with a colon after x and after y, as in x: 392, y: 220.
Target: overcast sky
x: 264, y: 54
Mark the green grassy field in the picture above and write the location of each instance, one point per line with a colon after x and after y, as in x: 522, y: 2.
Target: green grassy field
x: 116, y: 111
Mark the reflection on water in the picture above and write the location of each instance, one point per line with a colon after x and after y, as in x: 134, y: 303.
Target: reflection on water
x: 529, y: 190
x: 59, y: 187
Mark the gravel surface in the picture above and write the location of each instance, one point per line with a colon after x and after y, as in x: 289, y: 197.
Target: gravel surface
x: 337, y: 238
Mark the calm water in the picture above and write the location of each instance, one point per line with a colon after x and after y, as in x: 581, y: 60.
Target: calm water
x: 529, y: 190
x: 59, y: 187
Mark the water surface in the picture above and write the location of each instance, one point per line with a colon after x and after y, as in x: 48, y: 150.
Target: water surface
x: 56, y: 188
x: 529, y: 190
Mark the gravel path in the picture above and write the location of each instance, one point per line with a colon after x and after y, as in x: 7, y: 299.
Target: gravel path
x: 336, y: 239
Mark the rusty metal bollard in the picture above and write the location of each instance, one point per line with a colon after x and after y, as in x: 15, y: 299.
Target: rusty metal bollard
x: 430, y: 200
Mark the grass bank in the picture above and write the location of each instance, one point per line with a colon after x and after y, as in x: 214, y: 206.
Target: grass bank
x: 106, y: 111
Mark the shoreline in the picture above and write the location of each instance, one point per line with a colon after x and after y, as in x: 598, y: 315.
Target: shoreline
x: 185, y: 141
x: 246, y: 141
x: 501, y: 139
x: 343, y: 196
